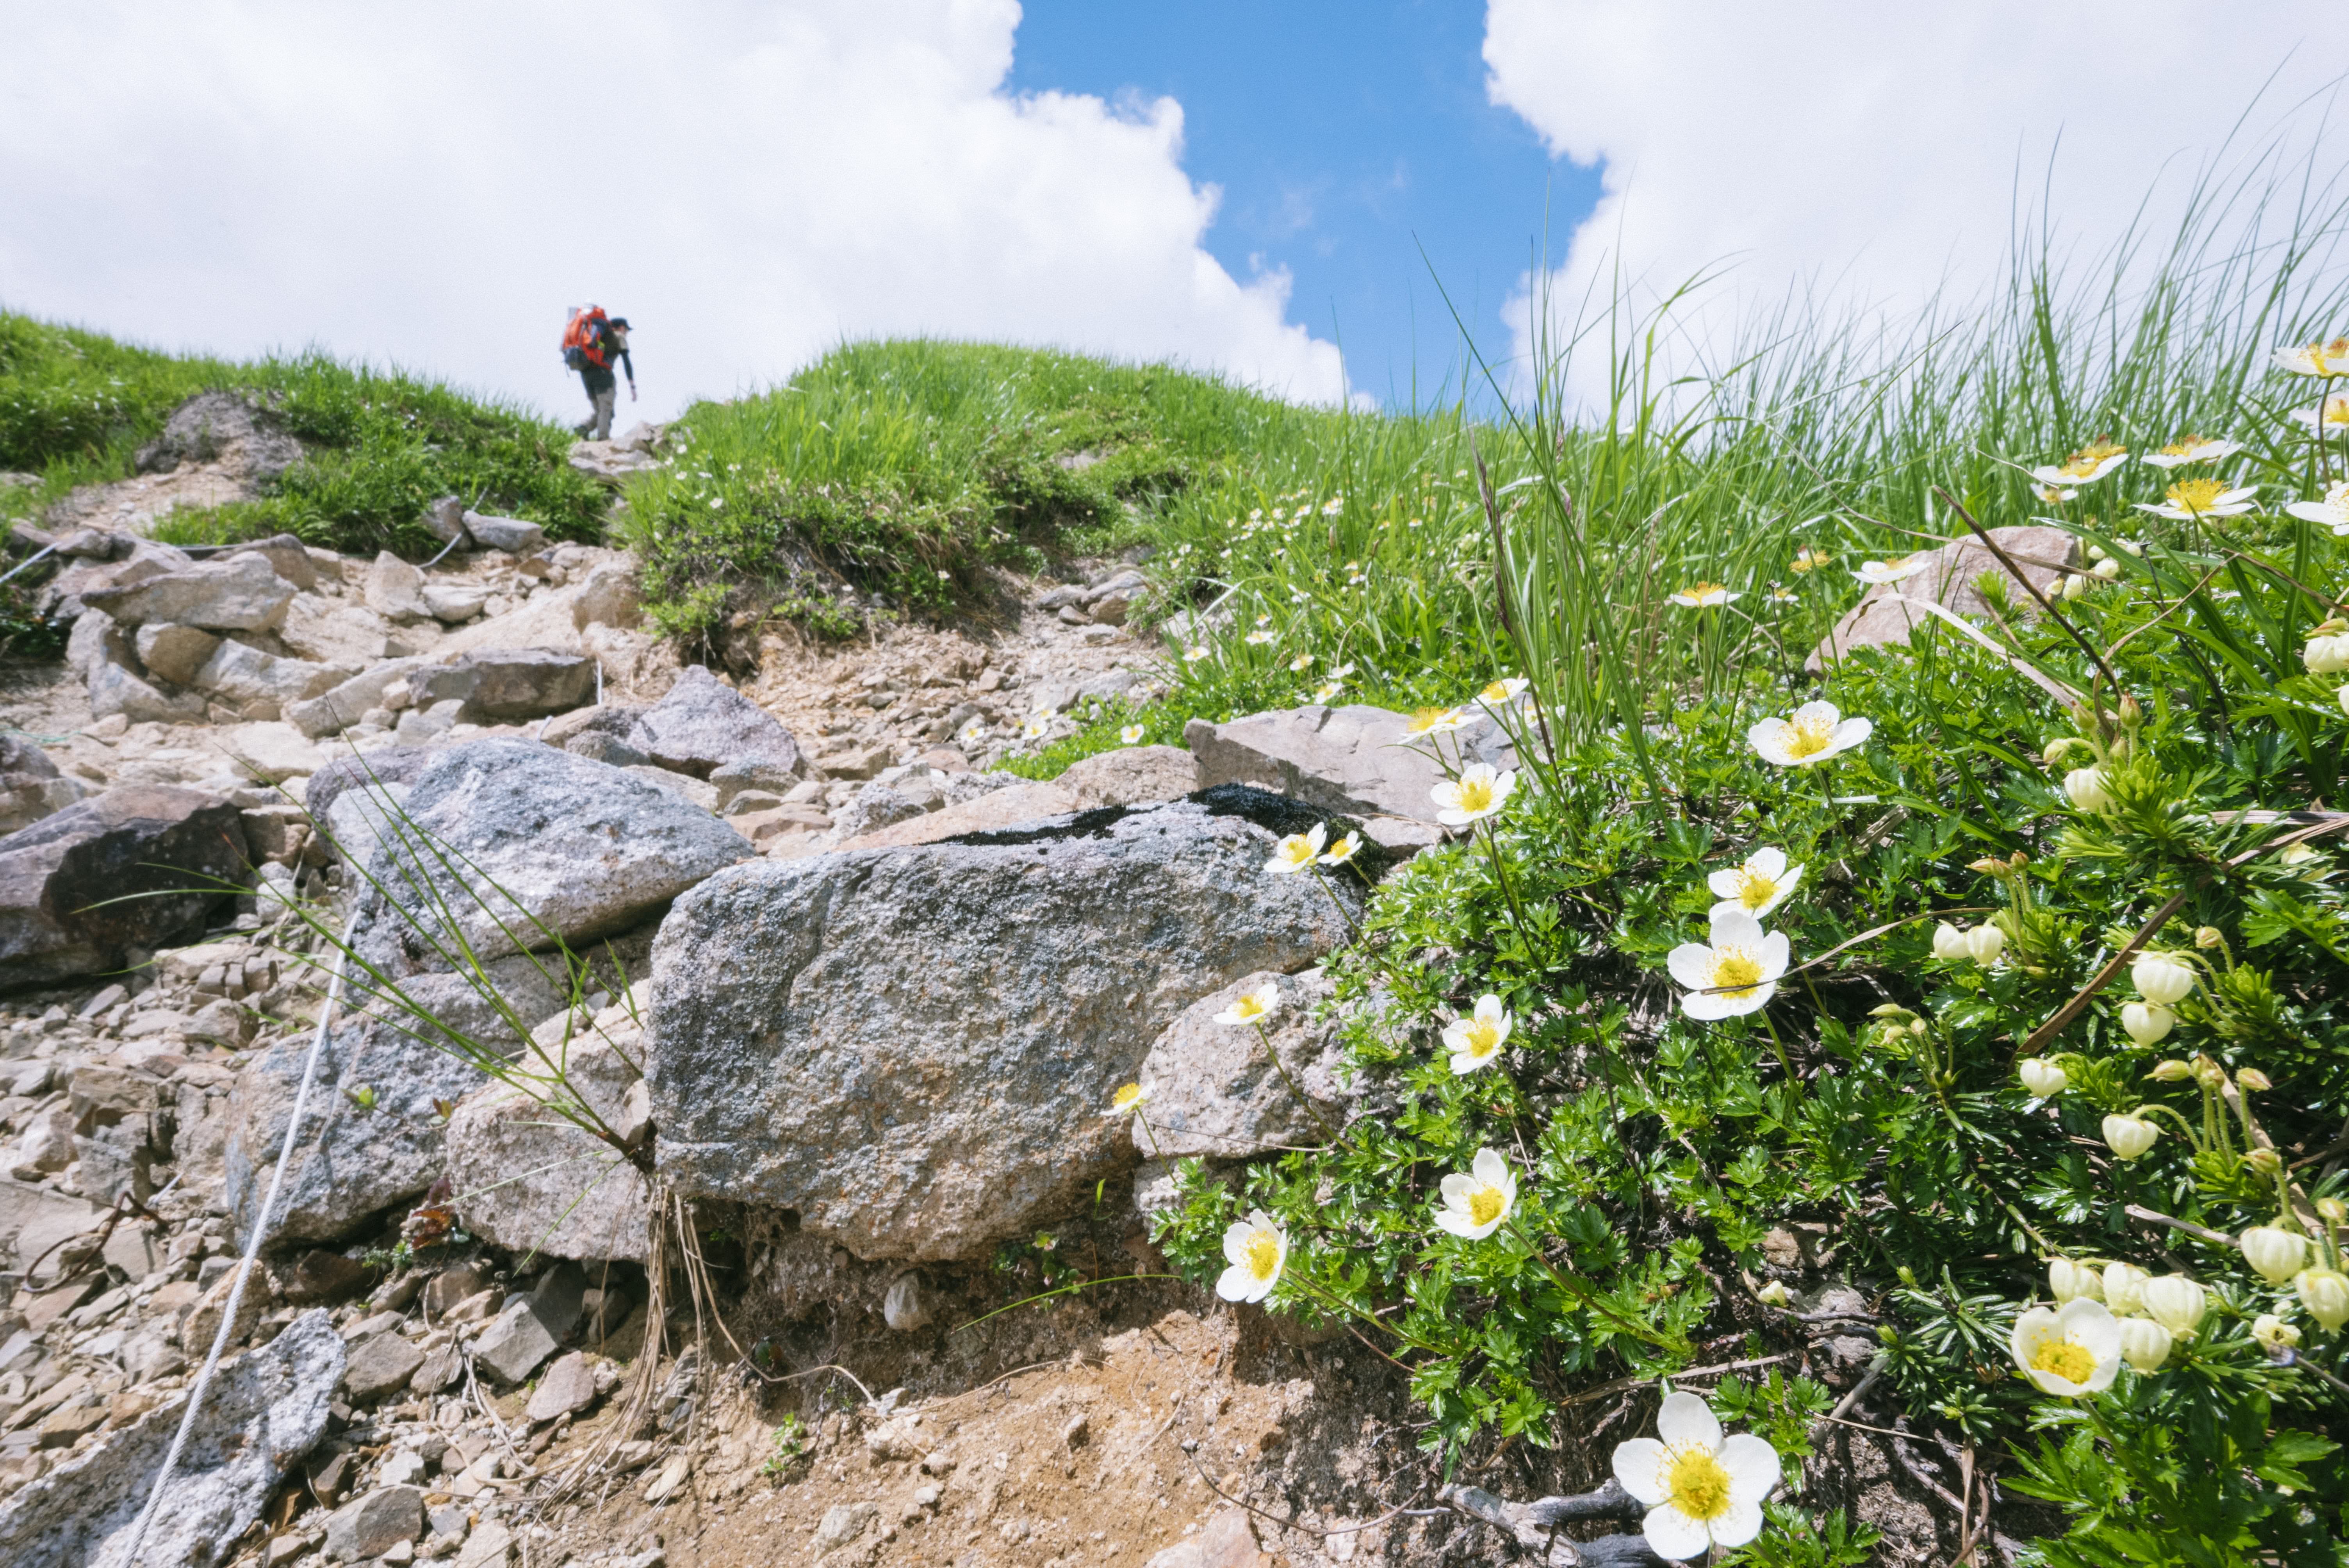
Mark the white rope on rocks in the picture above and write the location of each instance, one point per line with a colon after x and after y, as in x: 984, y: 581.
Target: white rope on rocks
x: 252, y: 1252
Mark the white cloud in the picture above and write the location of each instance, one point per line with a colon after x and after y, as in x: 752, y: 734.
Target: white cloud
x: 749, y: 183
x: 1877, y: 151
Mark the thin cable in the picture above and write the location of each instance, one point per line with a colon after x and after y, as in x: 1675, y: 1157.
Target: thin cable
x: 252, y: 1252
x: 46, y: 550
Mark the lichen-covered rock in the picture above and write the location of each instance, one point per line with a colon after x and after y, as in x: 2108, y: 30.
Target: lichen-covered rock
x: 703, y: 724
x: 1215, y: 1092
x: 913, y: 1048
x: 1352, y: 758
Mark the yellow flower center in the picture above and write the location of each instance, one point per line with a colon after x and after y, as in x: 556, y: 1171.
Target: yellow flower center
x: 1482, y: 1036
x: 1342, y: 851
x: 1809, y: 561
x: 1497, y: 692
x: 2196, y: 496
x: 1697, y: 1484
x: 1484, y: 1204
x: 1129, y: 1097
x: 1736, y: 971
x: 1264, y: 1254
x: 1247, y: 1008
x: 1475, y: 794
x: 2185, y: 447
x: 2336, y: 411
x: 1707, y: 593
x: 2067, y: 1360
x: 1423, y: 719
x: 1808, y: 736
x: 1755, y: 889
x: 2081, y: 463
x: 1296, y: 850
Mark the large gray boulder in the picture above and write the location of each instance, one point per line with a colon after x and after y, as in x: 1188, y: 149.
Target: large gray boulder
x: 31, y: 787
x: 264, y: 1410
x: 530, y: 1181
x: 213, y: 425
x: 703, y: 724
x: 511, y: 841
x: 352, y: 1160
x: 1215, y: 1092
x: 1356, y: 758
x: 915, y: 1048
x: 138, y: 866
x: 502, y: 685
x: 1887, y: 617
x: 235, y: 593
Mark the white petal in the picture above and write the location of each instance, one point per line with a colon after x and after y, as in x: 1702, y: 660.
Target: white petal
x: 1457, y: 1188
x: 1490, y: 1169
x: 1235, y: 1284
x: 1753, y: 1467
x: 1769, y: 864
x: 1739, y: 1524
x: 1736, y: 929
x: 1725, y: 884
x: 1790, y: 881
x: 1691, y: 963
x: 1774, y: 953
x: 1686, y: 1421
x: 1746, y: 1002
x: 1236, y: 1241
x: 1455, y: 1222
x: 1705, y: 1006
x: 1673, y: 1534
x: 1639, y: 1465
x: 1769, y: 738
x: 1465, y: 1062
x: 1823, y: 714
x: 1729, y: 905
x: 2310, y: 510
x: 1489, y: 1008
x: 1851, y: 732
x: 2090, y: 1324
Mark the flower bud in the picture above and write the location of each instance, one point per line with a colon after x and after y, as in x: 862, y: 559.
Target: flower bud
x: 1950, y: 943
x: 2162, y: 977
x: 2106, y: 568
x: 2332, y: 1211
x: 2095, y: 552
x: 1985, y: 942
x: 2275, y: 1254
x: 2042, y: 1077
x: 2067, y: 1280
x: 2326, y: 656
x: 2264, y: 1162
x: 2253, y: 1079
x: 2087, y: 789
x: 2145, y: 1344
x: 2171, y: 1072
x: 2129, y: 711
x: 1774, y: 1295
x: 2209, y: 1074
x: 2148, y: 1024
x: 2176, y: 1303
x: 2059, y: 749
x: 2206, y: 937
x: 2128, y: 1136
x: 2124, y: 1288
x: 2341, y: 697
x: 2326, y: 1293
x: 2274, y: 1333
x: 2075, y: 587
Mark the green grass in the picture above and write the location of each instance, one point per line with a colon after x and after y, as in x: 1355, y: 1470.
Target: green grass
x: 74, y: 406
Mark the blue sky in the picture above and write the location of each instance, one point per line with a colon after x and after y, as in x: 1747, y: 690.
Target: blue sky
x: 1345, y: 137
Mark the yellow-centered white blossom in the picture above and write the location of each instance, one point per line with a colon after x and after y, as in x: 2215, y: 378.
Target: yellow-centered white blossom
x: 1344, y: 850
x: 1476, y: 794
x: 2322, y: 360
x: 2070, y: 1350
x: 1301, y: 662
x: 2273, y: 1334
x: 2327, y: 419
x: 1700, y: 1490
x: 1704, y: 596
x: 1252, y: 1006
x: 1758, y: 886
x: 1474, y: 1205
x: 1813, y: 733
x: 1806, y: 562
x: 1129, y: 735
x: 2087, y: 466
x: 1328, y: 691
x: 1735, y: 971
x: 2191, y: 449
x: 2191, y: 498
x: 1297, y: 852
x: 2332, y: 511
x: 1258, y: 1249
x: 1475, y: 1041
x: 1434, y: 721
x: 1898, y: 569
x: 1129, y: 1098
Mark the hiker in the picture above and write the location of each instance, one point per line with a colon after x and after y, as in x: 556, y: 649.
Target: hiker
x: 590, y: 343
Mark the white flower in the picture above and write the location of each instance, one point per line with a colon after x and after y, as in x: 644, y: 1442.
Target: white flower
x: 1735, y: 972
x: 2054, y: 495
x: 2147, y: 1023
x: 1260, y: 636
x: 1129, y: 1098
x: 1806, y: 562
x: 1950, y: 943
x: 1476, y: 1040
x: 2332, y: 511
x: 1474, y: 1205
x: 2324, y: 360
x: 2326, y: 656
x: 1893, y: 570
x: 1700, y: 1491
x: 2328, y: 418
x: 1502, y: 692
x: 1434, y: 721
x: 2162, y: 978
x: 1195, y: 653
x: 2084, y: 467
x: 1476, y: 794
x: 1129, y: 735
x: 2087, y: 790
x: 2190, y: 498
x: 2069, y: 1281
x: 2191, y: 449
x: 975, y: 730
x: 1985, y: 943
x: 2129, y: 1137
x: 2125, y: 1287
x: 1774, y: 1293
x: 2274, y: 1333
x: 1258, y: 1251
x: 2075, y: 1349
x: 1301, y: 662
x: 1816, y: 731
x: 1760, y: 885
x: 2145, y: 1344
x: 1328, y: 691
x: 1344, y: 850
x: 2326, y: 1293
x: 1298, y: 850
x: 2275, y: 1254
x: 2042, y: 1077
x: 1704, y: 596
x: 1252, y: 1006
x: 2176, y: 1303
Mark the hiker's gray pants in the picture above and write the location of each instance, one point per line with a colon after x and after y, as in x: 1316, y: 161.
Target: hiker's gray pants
x: 600, y: 426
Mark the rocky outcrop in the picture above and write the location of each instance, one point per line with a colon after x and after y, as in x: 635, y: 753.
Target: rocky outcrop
x: 914, y: 1049
x: 31, y: 787
x: 136, y: 866
x: 504, y: 685
x: 1353, y: 758
x: 265, y: 1410
x: 237, y: 593
x: 372, y: 1133
x: 1215, y: 1092
x: 212, y: 426
x: 703, y: 725
x: 1947, y: 578
x: 517, y: 844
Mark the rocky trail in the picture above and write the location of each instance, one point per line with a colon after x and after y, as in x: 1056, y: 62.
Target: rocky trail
x: 849, y: 1008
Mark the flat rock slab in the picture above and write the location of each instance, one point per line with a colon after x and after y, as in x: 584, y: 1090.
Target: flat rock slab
x: 380, y: 1364
x: 568, y: 1388
x: 1882, y: 620
x: 239, y: 594
x: 265, y: 1411
x: 1006, y: 808
x: 914, y: 1048
x: 138, y: 866
x: 367, y: 1527
x: 512, y: 839
x: 1132, y: 775
x: 1352, y: 758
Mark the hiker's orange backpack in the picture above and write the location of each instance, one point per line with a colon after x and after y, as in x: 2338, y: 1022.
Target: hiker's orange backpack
x: 583, y: 338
